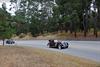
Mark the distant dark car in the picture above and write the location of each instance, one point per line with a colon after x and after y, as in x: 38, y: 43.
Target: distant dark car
x: 59, y: 45
x: 10, y: 41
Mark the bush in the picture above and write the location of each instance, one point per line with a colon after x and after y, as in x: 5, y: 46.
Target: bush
x: 22, y: 35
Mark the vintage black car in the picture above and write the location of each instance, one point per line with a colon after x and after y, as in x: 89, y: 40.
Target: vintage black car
x: 10, y: 41
x: 57, y: 44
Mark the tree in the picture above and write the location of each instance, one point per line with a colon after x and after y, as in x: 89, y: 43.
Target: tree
x: 97, y: 3
x: 5, y: 26
x: 95, y: 18
x: 34, y: 13
x: 68, y: 12
x: 85, y: 13
x: 42, y: 16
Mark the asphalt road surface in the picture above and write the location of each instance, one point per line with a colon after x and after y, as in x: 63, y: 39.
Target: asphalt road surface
x: 84, y: 49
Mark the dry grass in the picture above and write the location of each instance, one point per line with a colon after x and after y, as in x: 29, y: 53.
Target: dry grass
x: 68, y: 35
x: 23, y: 36
x: 59, y: 35
x: 15, y: 56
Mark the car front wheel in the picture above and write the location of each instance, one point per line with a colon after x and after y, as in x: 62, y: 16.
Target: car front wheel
x: 48, y: 45
x: 59, y: 47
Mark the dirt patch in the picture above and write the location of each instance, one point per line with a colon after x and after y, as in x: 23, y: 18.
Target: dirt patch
x: 14, y: 56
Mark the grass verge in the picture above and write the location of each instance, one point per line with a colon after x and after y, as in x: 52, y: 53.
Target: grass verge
x: 14, y: 56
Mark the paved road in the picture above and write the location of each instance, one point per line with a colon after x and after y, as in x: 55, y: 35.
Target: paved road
x: 84, y: 49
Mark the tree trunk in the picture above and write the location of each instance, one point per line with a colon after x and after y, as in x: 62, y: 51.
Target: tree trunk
x: 3, y: 42
x: 75, y: 28
x: 85, y: 24
x: 98, y: 18
x: 95, y: 27
x: 75, y: 34
x: 94, y: 24
x: 71, y: 27
x: 95, y: 21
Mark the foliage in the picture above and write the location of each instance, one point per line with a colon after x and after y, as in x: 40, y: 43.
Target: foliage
x: 6, y: 29
x: 42, y: 16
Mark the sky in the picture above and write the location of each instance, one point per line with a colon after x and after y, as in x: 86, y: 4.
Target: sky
x: 1, y: 1
x: 7, y: 5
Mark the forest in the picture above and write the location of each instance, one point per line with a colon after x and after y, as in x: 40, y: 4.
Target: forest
x: 47, y: 16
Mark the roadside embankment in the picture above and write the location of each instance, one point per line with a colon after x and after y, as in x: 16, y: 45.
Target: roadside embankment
x: 15, y: 56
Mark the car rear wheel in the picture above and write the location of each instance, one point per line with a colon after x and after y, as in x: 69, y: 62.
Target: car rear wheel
x: 67, y: 47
